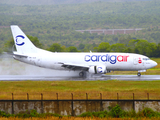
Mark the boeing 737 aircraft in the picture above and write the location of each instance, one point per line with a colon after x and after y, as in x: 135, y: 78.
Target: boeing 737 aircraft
x: 94, y: 63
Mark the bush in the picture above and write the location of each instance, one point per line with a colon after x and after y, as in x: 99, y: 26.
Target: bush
x: 147, y: 112
x: 22, y: 115
x: 3, y: 114
x: 44, y: 115
x: 129, y: 114
x: 86, y: 114
x: 100, y: 114
x: 33, y: 113
x: 116, y: 111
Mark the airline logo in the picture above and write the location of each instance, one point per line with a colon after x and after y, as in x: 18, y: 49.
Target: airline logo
x: 19, y: 40
x: 106, y: 58
x: 139, y: 61
x: 99, y: 70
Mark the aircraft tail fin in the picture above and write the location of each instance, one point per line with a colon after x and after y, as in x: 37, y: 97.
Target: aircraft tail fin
x: 22, y: 42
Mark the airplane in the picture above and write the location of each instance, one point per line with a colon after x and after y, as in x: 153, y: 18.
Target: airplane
x: 84, y: 62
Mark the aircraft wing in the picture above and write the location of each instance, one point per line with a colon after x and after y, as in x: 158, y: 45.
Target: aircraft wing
x: 72, y: 66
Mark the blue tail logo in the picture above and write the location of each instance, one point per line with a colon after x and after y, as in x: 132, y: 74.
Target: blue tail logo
x: 19, y: 40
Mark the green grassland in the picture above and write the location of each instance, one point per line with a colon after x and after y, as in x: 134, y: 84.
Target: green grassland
x: 109, y: 89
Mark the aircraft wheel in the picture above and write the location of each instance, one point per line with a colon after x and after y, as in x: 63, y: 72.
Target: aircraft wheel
x: 82, y: 74
x: 138, y: 74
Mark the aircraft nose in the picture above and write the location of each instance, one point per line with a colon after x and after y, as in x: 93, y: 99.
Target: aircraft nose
x: 154, y: 63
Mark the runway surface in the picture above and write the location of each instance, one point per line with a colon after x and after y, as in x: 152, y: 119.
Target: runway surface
x: 56, y: 78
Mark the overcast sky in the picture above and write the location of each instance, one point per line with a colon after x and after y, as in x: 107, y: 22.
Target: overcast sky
x: 52, y: 2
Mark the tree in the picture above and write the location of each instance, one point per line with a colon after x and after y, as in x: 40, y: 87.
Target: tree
x: 132, y: 43
x: 81, y: 46
x: 9, y: 45
x: 103, y: 47
x: 118, y: 47
x: 35, y: 41
x: 72, y: 49
x: 145, y: 48
x: 55, y: 47
x: 157, y: 51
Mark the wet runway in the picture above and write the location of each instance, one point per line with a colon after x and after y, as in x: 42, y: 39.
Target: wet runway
x: 57, y: 78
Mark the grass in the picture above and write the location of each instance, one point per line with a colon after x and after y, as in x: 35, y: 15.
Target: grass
x: 109, y: 89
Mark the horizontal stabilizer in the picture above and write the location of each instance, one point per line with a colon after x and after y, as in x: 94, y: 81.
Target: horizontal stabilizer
x: 19, y: 55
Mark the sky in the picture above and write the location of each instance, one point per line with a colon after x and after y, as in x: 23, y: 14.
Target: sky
x: 53, y: 2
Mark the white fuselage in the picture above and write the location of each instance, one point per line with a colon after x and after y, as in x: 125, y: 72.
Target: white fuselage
x: 112, y: 61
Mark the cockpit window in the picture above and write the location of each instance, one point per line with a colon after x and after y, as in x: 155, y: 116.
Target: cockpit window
x: 146, y: 59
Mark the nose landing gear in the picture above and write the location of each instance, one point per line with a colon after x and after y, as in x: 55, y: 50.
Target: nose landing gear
x: 138, y: 74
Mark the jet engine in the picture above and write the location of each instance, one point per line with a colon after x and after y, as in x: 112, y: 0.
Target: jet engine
x: 97, y: 69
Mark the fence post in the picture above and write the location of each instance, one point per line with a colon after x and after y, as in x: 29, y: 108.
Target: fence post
x: 72, y: 104
x: 27, y: 96
x: 117, y: 96
x: 72, y: 95
x: 101, y: 107
x: 41, y: 103
x: 86, y: 102
x: 12, y: 97
x: 133, y: 102
x: 57, y: 95
x: 41, y: 96
x: 100, y: 96
x: 12, y: 104
x: 57, y: 104
x: 86, y: 96
x: 133, y: 96
x: 148, y: 96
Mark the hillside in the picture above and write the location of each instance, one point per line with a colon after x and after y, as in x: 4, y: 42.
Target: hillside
x: 57, y: 23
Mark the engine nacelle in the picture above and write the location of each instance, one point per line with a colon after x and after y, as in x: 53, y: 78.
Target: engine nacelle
x: 97, y: 69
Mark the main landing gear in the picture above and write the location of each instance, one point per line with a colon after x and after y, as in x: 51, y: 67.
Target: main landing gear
x: 82, y: 74
x: 138, y: 74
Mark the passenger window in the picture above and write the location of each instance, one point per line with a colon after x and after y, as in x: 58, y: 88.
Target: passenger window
x: 146, y: 59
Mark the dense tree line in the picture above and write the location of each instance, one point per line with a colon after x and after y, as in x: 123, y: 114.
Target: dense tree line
x: 133, y: 46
